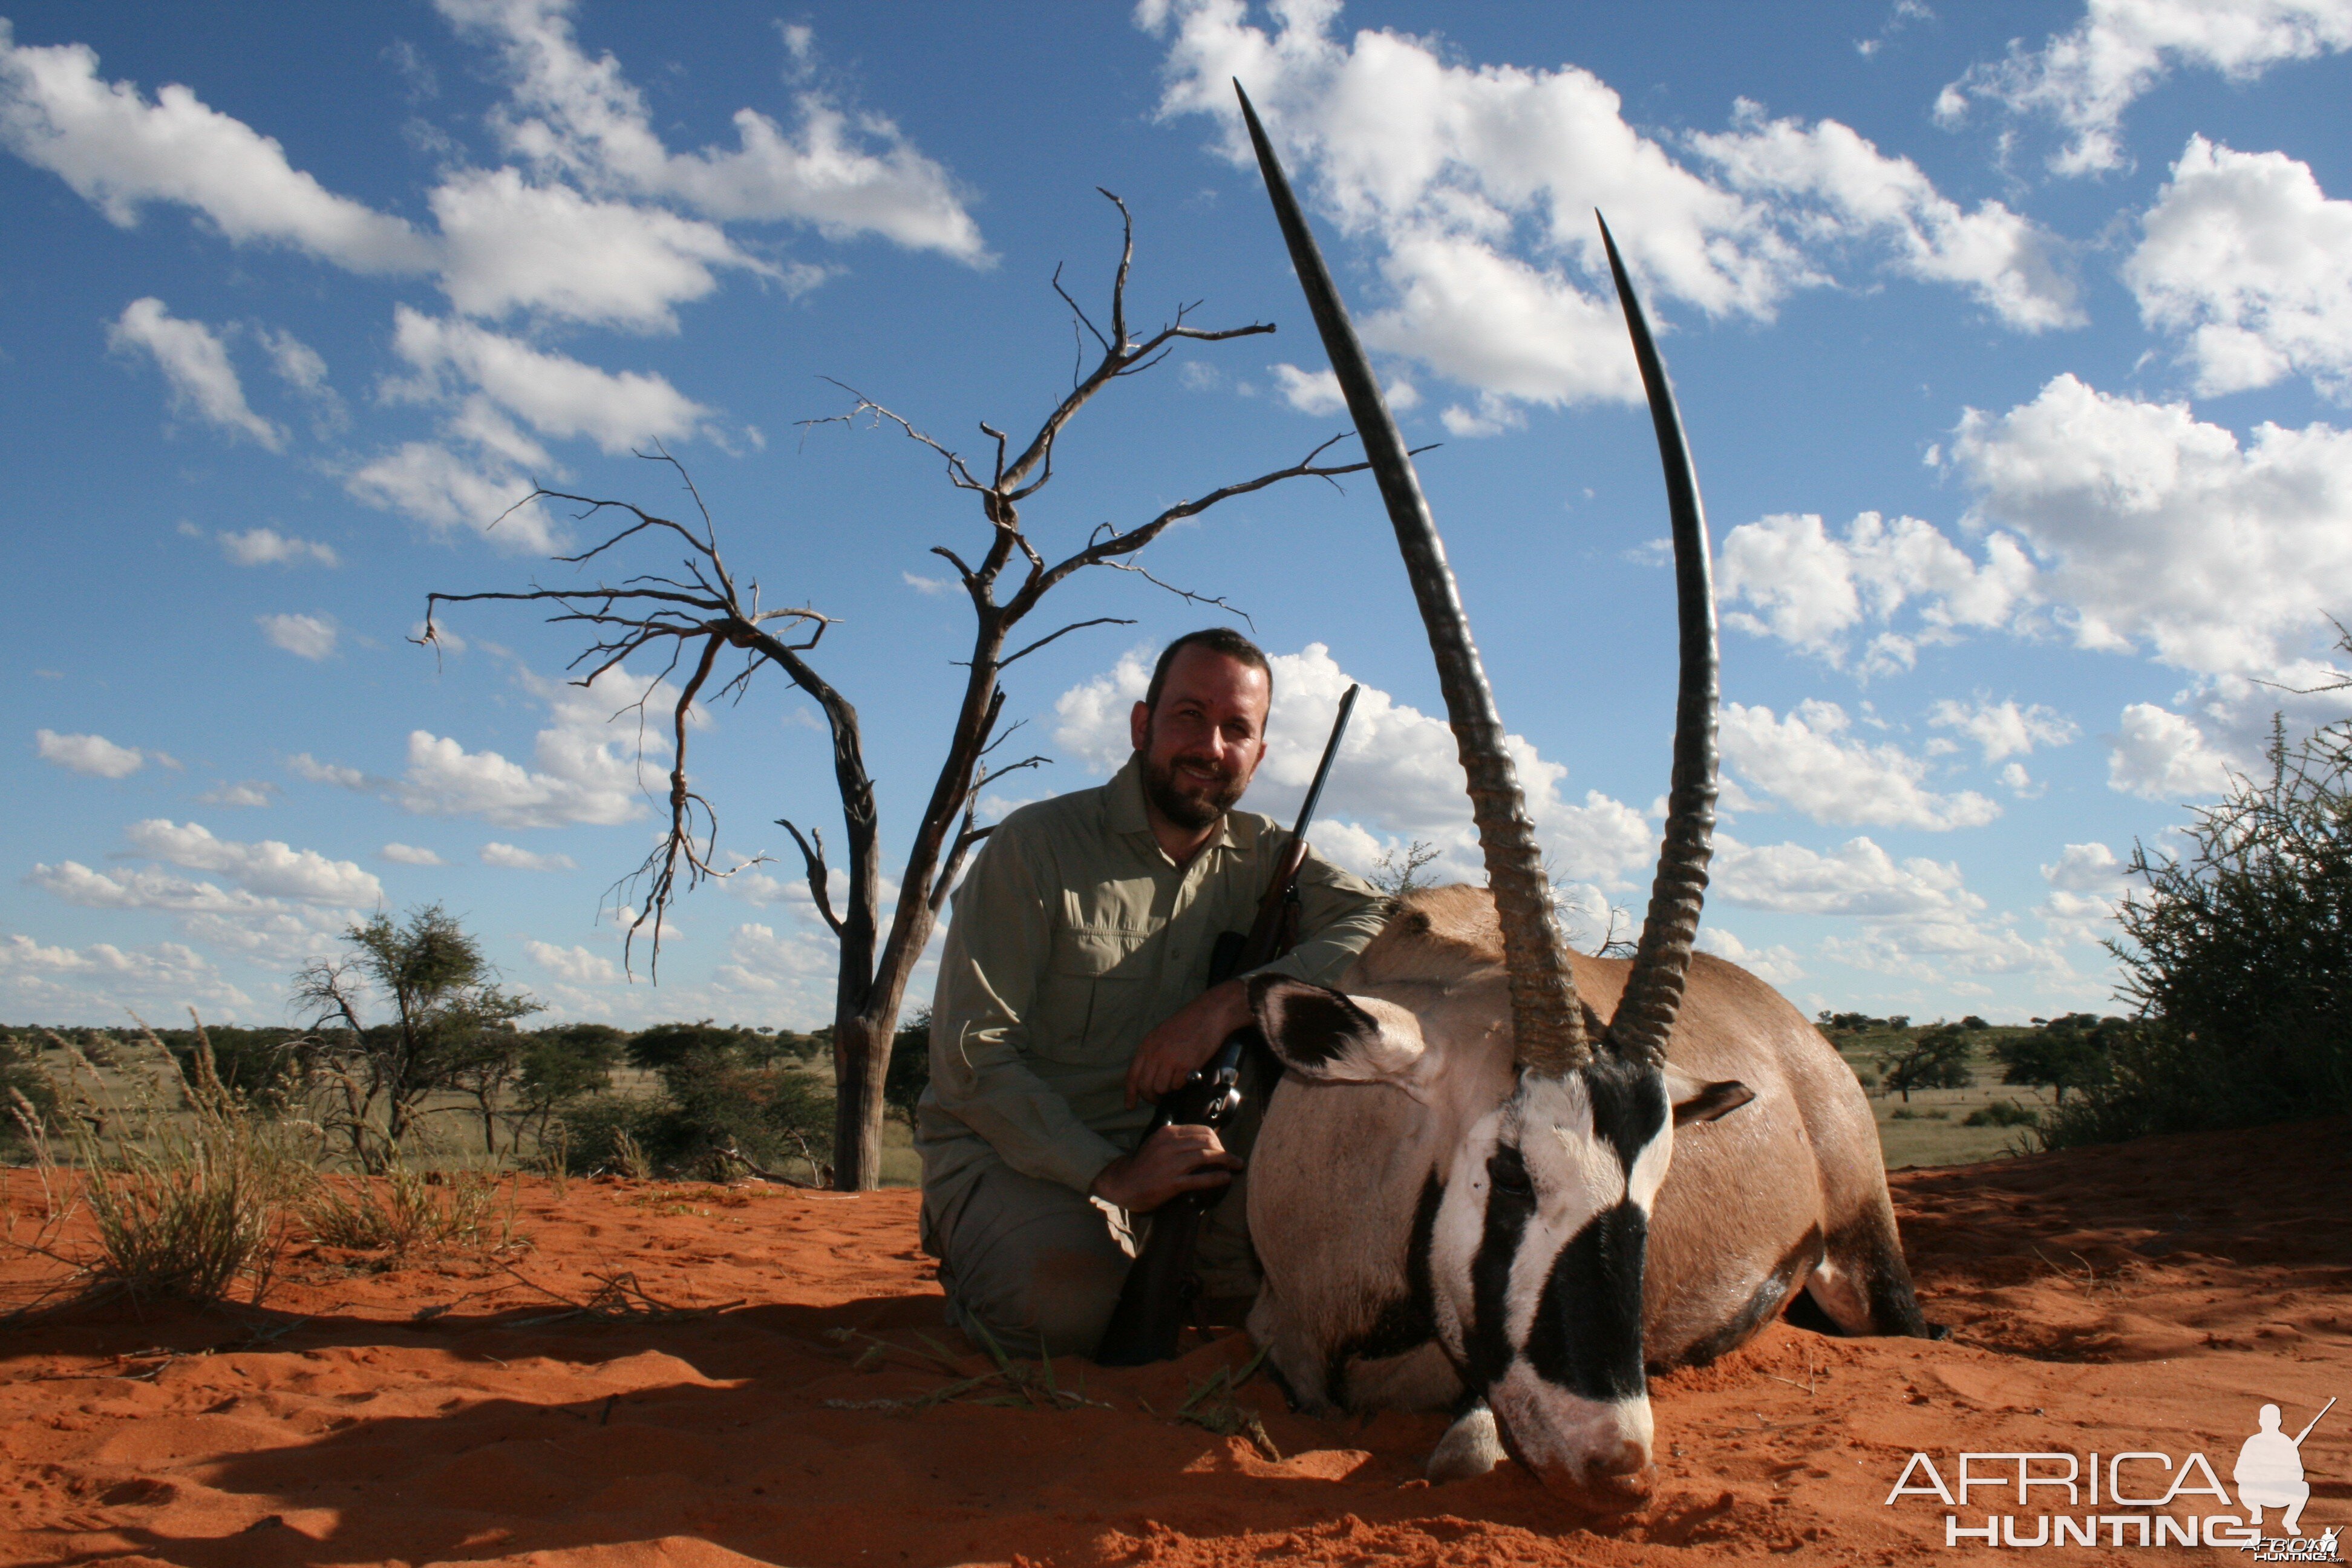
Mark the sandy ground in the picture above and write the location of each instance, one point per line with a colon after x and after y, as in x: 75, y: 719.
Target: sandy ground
x: 2144, y: 1297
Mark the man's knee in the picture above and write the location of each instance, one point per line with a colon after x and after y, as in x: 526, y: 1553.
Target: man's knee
x: 1037, y: 1267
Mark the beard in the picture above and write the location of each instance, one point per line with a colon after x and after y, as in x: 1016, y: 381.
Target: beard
x: 1185, y: 802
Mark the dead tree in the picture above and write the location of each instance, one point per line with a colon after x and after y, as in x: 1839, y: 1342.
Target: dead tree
x: 702, y: 613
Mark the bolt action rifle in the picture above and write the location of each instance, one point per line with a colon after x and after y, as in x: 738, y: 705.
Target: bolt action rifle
x: 1158, y: 1294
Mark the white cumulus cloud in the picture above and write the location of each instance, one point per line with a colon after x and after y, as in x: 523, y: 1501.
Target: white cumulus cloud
x: 587, y: 770
x: 557, y: 395
x: 271, y: 867
x: 844, y: 171
x: 2244, y: 257
x: 196, y: 366
x: 576, y: 964
x: 1816, y: 590
x: 2002, y: 730
x: 2159, y: 756
x: 2085, y: 78
x: 103, y: 980
x: 511, y: 244
x: 410, y: 855
x: 92, y: 754
x: 1474, y: 187
x: 2157, y: 528
x: 244, y: 793
x: 438, y: 487
x: 305, y: 636
x: 268, y: 547
x: 120, y: 151
x: 2087, y: 882
x: 2116, y: 524
x: 1807, y: 759
x: 266, y: 930
x: 515, y: 858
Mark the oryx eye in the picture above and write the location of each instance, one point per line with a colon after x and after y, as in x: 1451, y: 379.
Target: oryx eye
x: 1508, y: 1171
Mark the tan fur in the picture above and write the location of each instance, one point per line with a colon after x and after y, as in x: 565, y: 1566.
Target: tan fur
x: 1742, y: 1194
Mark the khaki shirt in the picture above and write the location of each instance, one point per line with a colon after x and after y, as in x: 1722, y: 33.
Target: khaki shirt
x: 1073, y: 936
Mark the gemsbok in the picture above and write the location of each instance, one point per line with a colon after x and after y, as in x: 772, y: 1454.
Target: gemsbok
x: 1469, y: 1191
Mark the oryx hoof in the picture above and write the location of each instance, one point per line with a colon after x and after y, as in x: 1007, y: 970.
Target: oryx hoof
x: 1470, y: 1448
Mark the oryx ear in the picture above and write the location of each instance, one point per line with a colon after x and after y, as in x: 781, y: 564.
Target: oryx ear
x: 1697, y: 1101
x: 1322, y: 1035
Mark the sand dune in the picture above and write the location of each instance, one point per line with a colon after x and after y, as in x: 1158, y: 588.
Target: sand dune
x: 2148, y: 1297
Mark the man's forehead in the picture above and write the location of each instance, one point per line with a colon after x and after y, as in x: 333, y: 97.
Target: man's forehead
x: 1205, y: 674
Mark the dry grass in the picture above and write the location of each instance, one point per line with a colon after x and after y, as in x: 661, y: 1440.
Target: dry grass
x: 185, y: 1200
x: 407, y: 1211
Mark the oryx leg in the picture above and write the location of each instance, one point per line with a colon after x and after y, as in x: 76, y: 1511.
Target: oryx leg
x: 1471, y: 1446
x: 1862, y: 1283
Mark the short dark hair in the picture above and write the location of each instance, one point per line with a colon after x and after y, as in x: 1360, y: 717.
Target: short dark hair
x: 1216, y: 639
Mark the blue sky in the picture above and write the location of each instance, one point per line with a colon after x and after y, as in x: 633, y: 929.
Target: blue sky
x: 2014, y: 342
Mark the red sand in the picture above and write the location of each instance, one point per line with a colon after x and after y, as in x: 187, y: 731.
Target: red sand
x: 2145, y: 1297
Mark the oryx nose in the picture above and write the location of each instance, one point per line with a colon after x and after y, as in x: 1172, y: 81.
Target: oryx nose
x: 1620, y: 1477
x: 1628, y: 1458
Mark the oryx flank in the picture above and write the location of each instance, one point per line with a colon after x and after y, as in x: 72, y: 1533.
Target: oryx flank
x: 1466, y: 1192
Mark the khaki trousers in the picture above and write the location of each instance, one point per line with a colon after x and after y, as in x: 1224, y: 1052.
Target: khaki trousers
x: 1039, y: 1265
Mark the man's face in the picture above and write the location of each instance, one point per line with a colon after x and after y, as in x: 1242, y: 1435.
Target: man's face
x: 1201, y: 745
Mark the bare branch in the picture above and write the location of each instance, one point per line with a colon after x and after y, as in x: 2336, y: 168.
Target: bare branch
x: 1104, y: 546
x: 814, y: 857
x: 1080, y: 312
x: 1126, y: 263
x: 958, y: 474
x: 1186, y: 595
x: 678, y: 844
x: 1074, y: 625
x: 953, y: 865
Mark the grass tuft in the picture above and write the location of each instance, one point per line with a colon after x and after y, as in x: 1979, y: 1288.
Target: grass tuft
x: 185, y: 1206
x: 405, y: 1211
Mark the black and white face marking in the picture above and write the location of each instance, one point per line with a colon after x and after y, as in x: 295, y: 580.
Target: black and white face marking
x: 1536, y: 1258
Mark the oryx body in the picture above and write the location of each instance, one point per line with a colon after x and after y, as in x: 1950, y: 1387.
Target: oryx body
x: 1765, y: 1197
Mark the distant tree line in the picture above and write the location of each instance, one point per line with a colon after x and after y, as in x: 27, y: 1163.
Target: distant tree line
x: 409, y: 1023
x: 2237, y: 960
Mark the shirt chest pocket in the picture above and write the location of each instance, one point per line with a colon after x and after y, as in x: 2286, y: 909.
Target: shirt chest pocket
x: 1095, y: 991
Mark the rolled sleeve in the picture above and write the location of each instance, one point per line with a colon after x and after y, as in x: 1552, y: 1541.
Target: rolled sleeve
x: 993, y: 964
x: 1338, y: 915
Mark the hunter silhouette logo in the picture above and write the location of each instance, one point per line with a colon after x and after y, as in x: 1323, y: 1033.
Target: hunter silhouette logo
x: 2270, y: 1470
x: 2163, y: 1497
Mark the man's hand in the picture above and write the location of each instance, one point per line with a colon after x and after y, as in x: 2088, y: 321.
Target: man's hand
x: 1173, y: 1160
x: 1184, y: 1044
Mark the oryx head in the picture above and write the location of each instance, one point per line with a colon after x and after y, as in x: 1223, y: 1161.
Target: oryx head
x: 1536, y: 1249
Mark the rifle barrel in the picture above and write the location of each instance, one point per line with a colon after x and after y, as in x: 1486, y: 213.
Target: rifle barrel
x: 1323, y: 769
x: 2324, y: 1409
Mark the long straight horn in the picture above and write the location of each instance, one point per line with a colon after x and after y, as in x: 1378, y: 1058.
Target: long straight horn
x: 1546, y: 1022
x: 1653, y: 990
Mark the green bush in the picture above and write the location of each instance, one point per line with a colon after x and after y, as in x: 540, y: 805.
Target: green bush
x: 2072, y: 1051
x: 713, y: 1102
x: 2000, y: 1113
x: 2237, y: 957
x: 910, y: 1065
x: 666, y: 1044
x: 1937, y: 1057
x: 258, y: 1064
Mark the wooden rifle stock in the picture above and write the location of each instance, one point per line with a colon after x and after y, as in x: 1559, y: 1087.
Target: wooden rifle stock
x: 1158, y: 1292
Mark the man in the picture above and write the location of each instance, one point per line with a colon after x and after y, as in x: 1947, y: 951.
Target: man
x: 1074, y: 991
